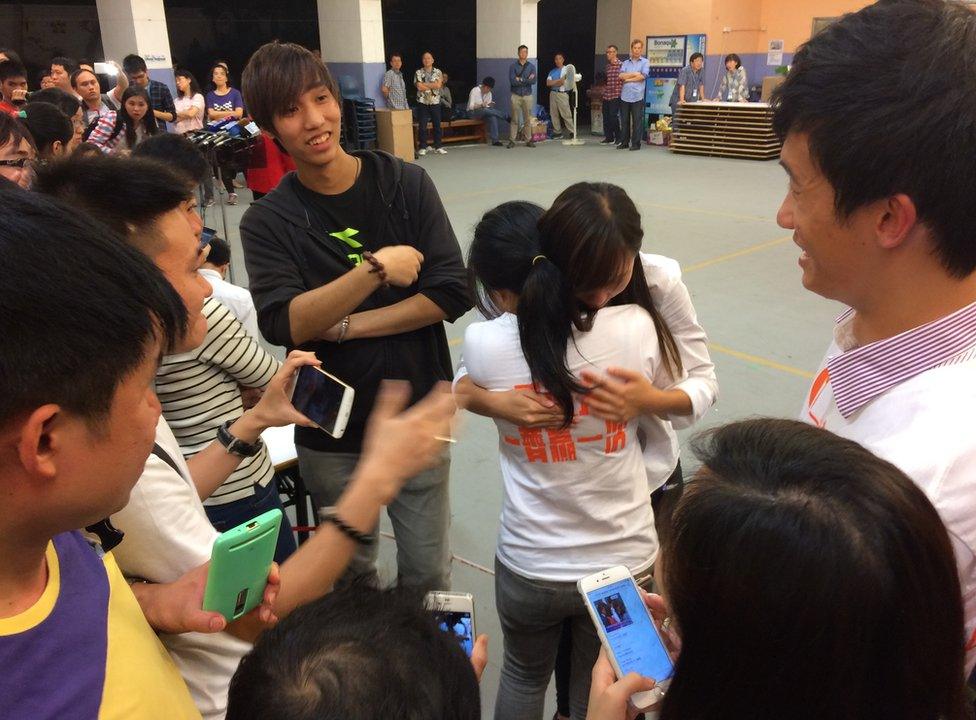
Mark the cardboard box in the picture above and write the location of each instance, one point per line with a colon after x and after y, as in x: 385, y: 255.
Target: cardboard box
x: 394, y: 132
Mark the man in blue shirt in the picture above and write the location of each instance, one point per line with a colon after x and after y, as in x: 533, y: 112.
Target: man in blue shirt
x: 633, y: 73
x: 559, y: 99
x: 521, y: 78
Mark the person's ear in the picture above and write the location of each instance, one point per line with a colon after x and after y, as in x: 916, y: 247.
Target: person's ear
x: 39, y: 441
x: 57, y: 148
x: 897, y: 217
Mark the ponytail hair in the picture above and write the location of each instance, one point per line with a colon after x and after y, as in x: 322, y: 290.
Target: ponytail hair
x: 506, y: 254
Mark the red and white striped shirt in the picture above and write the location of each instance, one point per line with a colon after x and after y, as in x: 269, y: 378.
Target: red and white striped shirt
x: 910, y: 399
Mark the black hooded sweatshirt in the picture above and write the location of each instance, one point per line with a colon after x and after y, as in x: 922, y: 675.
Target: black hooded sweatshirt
x: 294, y: 242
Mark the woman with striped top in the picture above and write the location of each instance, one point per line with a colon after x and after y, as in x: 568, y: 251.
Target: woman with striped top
x: 199, y: 390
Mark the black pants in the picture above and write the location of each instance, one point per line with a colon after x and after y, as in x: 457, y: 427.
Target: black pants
x: 611, y: 120
x: 632, y: 123
x: 425, y: 113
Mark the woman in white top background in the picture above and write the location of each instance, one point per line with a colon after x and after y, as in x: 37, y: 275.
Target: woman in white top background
x: 576, y: 496
x: 191, y: 110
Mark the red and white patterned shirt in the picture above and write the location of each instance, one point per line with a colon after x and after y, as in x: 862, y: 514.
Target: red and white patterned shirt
x: 614, y: 86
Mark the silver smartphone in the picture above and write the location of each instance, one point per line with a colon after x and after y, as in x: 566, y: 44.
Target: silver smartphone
x: 324, y: 399
x: 454, y: 614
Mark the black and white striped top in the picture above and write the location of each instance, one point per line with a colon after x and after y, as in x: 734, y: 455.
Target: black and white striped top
x: 199, y: 391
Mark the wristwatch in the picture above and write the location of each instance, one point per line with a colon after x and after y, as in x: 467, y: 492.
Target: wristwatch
x: 236, y: 446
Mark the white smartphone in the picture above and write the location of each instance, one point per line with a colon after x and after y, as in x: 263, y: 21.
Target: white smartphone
x: 324, y: 399
x: 627, y: 630
x: 454, y: 614
x: 104, y: 68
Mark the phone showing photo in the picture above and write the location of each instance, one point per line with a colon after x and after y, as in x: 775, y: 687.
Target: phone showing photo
x: 454, y: 614
x: 627, y: 630
x: 324, y: 399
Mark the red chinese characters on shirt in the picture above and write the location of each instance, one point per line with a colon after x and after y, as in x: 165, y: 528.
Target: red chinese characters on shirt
x: 558, y: 445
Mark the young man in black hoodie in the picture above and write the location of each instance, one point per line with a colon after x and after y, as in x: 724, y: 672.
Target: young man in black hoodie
x: 353, y: 256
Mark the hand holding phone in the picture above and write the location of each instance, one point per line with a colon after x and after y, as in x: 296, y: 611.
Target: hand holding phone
x: 610, y: 697
x: 627, y: 630
x: 454, y: 614
x: 324, y: 399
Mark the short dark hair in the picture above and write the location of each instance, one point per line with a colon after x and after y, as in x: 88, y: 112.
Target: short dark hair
x: 133, y: 64
x: 47, y: 125
x: 523, y: 47
x: 396, y: 54
x: 69, y: 64
x: 277, y: 75
x: 178, y: 153
x: 79, y: 310
x: 734, y: 58
x: 358, y: 653
x: 222, y: 66
x: 635, y: 41
x: 12, y: 68
x: 489, y: 81
x: 13, y: 131
x: 11, y: 55
x: 62, y: 100
x: 77, y: 73
x: 219, y: 251
x: 696, y: 56
x: 127, y: 194
x: 611, y: 45
x: 824, y: 96
x: 826, y: 567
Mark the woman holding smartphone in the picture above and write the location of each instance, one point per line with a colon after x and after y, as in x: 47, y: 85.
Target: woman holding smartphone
x: 576, y: 495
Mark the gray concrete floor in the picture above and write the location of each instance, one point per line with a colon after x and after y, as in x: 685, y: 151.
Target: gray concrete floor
x: 717, y: 217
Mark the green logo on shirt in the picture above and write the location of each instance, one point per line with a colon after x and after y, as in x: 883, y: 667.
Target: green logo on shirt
x: 346, y: 236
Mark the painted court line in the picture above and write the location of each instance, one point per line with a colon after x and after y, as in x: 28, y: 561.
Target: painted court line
x: 758, y: 360
x: 463, y: 561
x: 737, y: 254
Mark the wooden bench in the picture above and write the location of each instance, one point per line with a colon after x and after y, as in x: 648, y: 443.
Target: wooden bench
x: 455, y: 131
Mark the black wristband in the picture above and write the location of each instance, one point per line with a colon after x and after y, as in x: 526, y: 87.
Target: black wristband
x: 352, y: 533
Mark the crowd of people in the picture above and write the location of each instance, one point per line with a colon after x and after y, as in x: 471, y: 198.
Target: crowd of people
x: 811, y: 568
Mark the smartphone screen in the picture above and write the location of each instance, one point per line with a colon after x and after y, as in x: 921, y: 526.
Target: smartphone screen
x: 457, y: 624
x: 630, y: 630
x: 318, y: 397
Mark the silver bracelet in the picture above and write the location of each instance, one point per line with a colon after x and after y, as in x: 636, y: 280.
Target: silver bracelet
x: 343, y: 329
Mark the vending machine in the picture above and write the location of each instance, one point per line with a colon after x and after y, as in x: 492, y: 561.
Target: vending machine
x: 667, y: 54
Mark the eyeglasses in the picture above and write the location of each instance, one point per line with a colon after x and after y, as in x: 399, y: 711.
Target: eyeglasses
x: 18, y: 163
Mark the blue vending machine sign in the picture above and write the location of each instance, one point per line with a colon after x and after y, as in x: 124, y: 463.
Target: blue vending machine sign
x: 667, y: 54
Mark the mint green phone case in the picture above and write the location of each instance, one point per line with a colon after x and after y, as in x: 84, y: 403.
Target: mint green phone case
x: 239, y: 565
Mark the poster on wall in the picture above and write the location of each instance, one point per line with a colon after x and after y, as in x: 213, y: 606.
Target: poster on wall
x: 667, y: 54
x: 774, y: 56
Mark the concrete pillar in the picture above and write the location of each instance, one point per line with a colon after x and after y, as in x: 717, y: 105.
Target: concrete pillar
x: 351, y: 33
x: 612, y: 28
x: 137, y: 26
x: 503, y: 25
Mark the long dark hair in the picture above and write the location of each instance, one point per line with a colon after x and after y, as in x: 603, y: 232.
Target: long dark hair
x: 123, y: 121
x: 194, y: 85
x: 585, y: 237
x: 810, y: 579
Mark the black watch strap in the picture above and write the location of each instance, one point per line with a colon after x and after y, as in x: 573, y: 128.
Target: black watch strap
x: 236, y: 446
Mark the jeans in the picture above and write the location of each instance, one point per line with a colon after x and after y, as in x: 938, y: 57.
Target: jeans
x: 421, y: 517
x: 611, y: 120
x: 433, y: 114
x: 559, y: 110
x: 632, y: 122
x: 532, y: 613
x: 230, y: 515
x: 522, y: 105
x: 491, y: 116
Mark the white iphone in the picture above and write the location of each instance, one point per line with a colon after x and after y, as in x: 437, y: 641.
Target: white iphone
x: 454, y: 614
x: 627, y: 630
x: 323, y: 398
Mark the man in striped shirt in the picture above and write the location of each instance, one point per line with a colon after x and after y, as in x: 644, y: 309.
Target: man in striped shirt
x: 886, y: 225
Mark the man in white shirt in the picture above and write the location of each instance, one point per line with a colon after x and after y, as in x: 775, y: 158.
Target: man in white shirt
x: 559, y: 109
x: 237, y: 299
x: 481, y: 106
x: 885, y: 226
x: 166, y: 531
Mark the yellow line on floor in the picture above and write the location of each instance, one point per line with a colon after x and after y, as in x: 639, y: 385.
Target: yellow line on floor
x: 737, y: 254
x: 761, y: 361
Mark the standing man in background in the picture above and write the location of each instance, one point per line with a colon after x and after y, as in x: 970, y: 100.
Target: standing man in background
x: 393, y: 87
x: 163, y: 106
x: 611, y: 99
x: 521, y: 78
x: 633, y: 73
x: 559, y: 99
